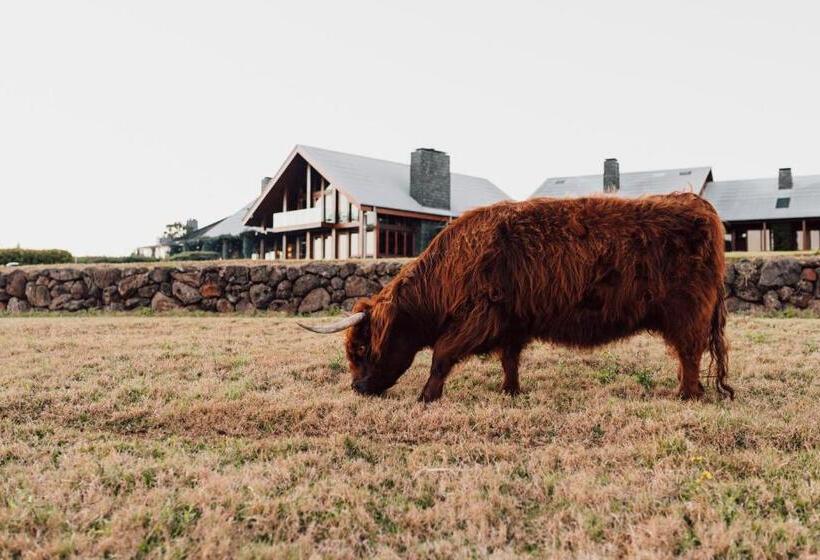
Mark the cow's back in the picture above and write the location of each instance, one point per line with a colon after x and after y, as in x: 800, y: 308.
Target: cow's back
x: 580, y: 271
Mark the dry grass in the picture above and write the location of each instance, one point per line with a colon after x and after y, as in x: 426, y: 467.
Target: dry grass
x: 216, y: 436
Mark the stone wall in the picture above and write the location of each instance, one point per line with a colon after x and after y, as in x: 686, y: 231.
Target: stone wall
x: 319, y: 286
x: 773, y: 284
x: 305, y: 288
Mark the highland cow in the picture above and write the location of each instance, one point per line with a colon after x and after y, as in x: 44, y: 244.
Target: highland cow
x: 577, y: 272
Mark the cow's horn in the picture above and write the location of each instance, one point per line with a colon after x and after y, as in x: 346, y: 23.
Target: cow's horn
x: 340, y: 325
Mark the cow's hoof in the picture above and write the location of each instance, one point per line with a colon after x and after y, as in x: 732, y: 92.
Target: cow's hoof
x: 432, y: 390
x: 691, y: 394
x: 511, y: 390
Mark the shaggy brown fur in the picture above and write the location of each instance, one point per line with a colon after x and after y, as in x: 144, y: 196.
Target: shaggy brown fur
x: 579, y: 272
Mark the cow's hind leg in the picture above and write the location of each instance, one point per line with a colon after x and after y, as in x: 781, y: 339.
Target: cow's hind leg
x: 510, y: 358
x: 689, y: 350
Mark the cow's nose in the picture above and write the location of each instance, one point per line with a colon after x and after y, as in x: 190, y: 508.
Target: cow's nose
x: 360, y: 386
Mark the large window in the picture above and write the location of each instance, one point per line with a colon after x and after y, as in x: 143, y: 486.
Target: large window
x: 395, y: 243
x: 330, y: 206
x: 344, y: 208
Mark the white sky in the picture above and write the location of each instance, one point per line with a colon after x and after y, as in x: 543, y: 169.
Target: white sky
x: 117, y: 118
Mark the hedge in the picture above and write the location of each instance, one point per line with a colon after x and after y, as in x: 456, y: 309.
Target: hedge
x: 35, y: 256
x: 115, y: 260
x: 196, y: 256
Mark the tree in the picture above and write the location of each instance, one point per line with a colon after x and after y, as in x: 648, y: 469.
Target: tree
x: 178, y: 230
x: 174, y: 231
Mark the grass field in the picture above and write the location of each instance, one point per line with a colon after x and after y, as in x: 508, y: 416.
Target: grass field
x: 231, y: 436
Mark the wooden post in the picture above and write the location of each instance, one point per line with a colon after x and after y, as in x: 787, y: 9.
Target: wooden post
x: 376, y: 233
x: 262, y: 247
x: 362, y: 233
x: 734, y: 239
x: 362, y: 236
x: 285, y: 201
x: 333, y: 244
x: 806, y: 240
x: 307, y: 182
x: 322, y: 185
x: 763, y: 237
x: 284, y: 246
x: 308, y: 248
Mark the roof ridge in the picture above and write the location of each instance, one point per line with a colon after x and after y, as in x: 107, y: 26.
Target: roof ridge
x: 384, y: 160
x: 769, y: 178
x: 349, y: 154
x: 622, y: 173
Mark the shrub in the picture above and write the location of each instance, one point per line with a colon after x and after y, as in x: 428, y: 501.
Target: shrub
x: 195, y: 256
x: 35, y: 256
x: 114, y: 260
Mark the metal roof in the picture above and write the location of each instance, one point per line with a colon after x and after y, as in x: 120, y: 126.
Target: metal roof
x: 633, y: 184
x: 386, y: 184
x: 230, y: 226
x: 756, y: 199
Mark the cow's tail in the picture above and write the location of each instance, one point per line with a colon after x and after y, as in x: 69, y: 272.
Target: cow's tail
x: 718, y: 349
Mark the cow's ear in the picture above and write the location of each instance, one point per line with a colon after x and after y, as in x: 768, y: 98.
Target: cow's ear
x: 364, y: 305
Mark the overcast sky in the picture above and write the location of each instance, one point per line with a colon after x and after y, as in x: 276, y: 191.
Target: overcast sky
x: 117, y: 118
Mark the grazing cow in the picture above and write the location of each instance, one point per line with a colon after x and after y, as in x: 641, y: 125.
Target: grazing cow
x: 578, y: 272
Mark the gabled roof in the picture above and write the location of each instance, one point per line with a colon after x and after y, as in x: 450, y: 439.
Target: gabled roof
x: 386, y: 184
x: 230, y: 226
x: 633, y: 184
x: 756, y: 199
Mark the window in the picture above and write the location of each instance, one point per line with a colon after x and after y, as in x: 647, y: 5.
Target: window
x: 688, y: 172
x: 560, y: 181
x: 330, y: 206
x: 344, y: 208
x: 782, y: 203
x: 395, y: 243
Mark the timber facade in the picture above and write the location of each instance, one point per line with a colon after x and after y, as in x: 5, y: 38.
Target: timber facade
x: 330, y: 205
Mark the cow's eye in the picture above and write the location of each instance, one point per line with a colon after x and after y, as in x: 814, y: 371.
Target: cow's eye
x: 361, y: 350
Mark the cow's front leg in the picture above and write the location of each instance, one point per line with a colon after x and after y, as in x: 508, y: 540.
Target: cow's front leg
x: 438, y: 374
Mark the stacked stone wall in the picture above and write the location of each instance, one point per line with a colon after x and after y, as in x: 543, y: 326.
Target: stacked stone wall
x: 755, y: 284
x: 305, y: 288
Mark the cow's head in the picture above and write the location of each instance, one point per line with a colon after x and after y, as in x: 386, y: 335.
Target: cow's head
x: 380, y: 345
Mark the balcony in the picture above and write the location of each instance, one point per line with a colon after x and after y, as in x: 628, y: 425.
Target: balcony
x: 297, y: 218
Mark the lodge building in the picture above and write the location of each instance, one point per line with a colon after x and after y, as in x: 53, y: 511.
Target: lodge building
x: 779, y: 213
x: 323, y: 204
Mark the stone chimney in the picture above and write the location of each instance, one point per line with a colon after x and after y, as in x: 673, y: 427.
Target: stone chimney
x: 612, y: 176
x: 784, y: 178
x: 430, y: 178
x: 265, y: 181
